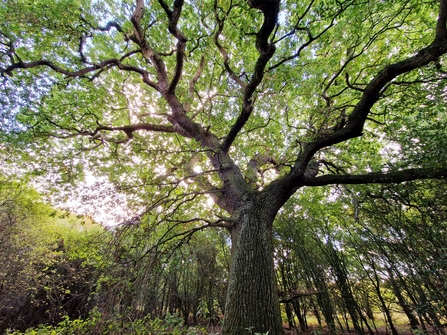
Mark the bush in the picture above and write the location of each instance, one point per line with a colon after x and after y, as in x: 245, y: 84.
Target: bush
x: 172, y: 324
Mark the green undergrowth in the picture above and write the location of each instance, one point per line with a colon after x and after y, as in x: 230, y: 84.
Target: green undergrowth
x: 96, y: 324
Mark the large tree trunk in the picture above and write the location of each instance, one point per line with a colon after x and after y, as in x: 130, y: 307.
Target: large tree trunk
x: 252, y: 302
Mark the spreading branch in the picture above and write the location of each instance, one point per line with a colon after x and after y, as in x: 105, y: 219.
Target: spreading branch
x: 174, y: 16
x: 311, y: 38
x: 371, y: 94
x: 139, y: 38
x: 106, y: 64
x: 378, y: 177
x: 266, y: 49
x: 129, y: 129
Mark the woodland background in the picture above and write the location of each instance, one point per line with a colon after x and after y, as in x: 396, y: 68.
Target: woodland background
x: 379, y: 268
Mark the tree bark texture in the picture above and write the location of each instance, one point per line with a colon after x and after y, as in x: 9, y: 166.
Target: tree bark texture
x: 252, y: 304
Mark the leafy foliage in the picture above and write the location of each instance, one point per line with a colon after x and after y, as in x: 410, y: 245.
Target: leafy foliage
x: 49, y: 261
x: 171, y: 324
x: 214, y: 114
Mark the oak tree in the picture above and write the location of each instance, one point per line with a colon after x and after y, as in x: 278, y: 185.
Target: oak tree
x: 241, y: 102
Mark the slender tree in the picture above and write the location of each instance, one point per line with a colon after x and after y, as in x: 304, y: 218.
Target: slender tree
x: 243, y: 101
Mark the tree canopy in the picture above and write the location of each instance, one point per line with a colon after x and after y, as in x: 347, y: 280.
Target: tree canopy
x: 240, y: 102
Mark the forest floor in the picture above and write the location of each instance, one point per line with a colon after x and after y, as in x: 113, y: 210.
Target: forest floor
x: 316, y: 330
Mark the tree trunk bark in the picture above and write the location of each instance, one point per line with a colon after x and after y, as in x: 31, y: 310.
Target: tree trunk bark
x: 414, y: 323
x: 252, y: 304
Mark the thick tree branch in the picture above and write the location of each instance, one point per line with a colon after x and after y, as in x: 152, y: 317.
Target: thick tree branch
x: 106, y: 64
x: 254, y: 166
x: 266, y: 49
x: 441, y: 26
x: 96, y: 135
x: 136, y: 19
x: 129, y: 129
x: 371, y: 94
x: 378, y: 177
x: 166, y: 8
x: 139, y: 38
x: 107, y: 27
x: 174, y: 16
